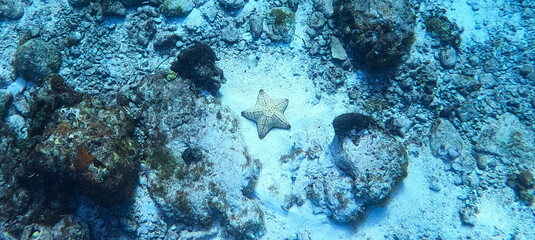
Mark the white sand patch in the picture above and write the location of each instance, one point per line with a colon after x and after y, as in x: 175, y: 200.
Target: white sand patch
x: 494, y: 214
x: 282, y: 76
x: 471, y: 21
x: 414, y: 206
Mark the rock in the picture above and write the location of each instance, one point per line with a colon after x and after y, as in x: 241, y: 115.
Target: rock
x: 256, y: 25
x: 316, y: 20
x: 192, y: 155
x: 281, y: 24
x: 468, y: 215
x: 465, y: 84
x: 474, y: 61
x: 487, y: 81
x: 132, y: 3
x: 398, y: 126
x: 434, y: 184
x: 349, y: 121
x: 21, y: 104
x: 52, y: 95
x: 18, y: 124
x: 375, y: 161
x: 11, y: 9
x: 371, y: 164
x: 198, y: 64
x: 443, y: 139
x: 5, y: 100
x: 79, y: 3
x: 491, y: 66
x: 165, y: 40
x: 215, y: 191
x: 448, y: 57
x: 325, y: 7
x: 467, y: 112
x: 380, y: 33
x: 526, y: 69
x: 195, y: 21
x: 482, y: 162
x: 144, y: 32
x: 230, y: 34
x: 232, y: 5
x: 177, y: 8
x: 438, y: 25
x: 113, y: 8
x: 507, y: 137
x: 103, y: 157
x: 210, y: 11
x: 35, y: 59
x: 340, y: 199
x: 68, y: 227
x: 337, y: 50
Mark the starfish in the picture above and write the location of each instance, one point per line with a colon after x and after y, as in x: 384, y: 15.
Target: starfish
x: 267, y: 113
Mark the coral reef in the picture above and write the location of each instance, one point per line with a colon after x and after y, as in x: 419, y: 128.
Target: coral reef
x: 52, y: 95
x: 378, y: 32
x: 208, y: 180
x: 197, y: 63
x: 438, y: 25
x: 281, y: 24
x: 35, y: 59
x: 103, y: 157
x: 11, y: 9
x: 350, y: 121
x: 371, y: 164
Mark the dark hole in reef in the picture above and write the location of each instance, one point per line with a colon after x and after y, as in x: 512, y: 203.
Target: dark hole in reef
x: 98, y: 164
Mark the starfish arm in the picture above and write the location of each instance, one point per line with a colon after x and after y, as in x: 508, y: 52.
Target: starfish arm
x: 264, y: 126
x: 281, y: 105
x: 252, y: 114
x: 262, y: 99
x: 280, y: 121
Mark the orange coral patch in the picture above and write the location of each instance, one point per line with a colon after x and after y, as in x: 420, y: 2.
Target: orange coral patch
x: 83, y: 158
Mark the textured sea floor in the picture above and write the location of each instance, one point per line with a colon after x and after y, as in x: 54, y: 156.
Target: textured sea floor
x: 465, y: 193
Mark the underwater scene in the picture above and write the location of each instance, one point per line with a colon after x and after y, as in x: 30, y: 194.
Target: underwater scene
x: 267, y: 119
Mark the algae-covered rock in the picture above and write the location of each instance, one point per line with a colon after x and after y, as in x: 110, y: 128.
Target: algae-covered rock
x: 52, y: 95
x: 511, y: 144
x: 11, y: 9
x: 79, y: 3
x: 380, y: 33
x: 371, y: 164
x: 69, y: 227
x: 197, y: 63
x: 508, y: 137
x: 281, y: 24
x: 376, y: 161
x: 438, y: 25
x: 198, y: 180
x: 113, y: 8
x: 177, y: 8
x: 343, y: 123
x: 35, y: 59
x: 522, y: 182
x: 5, y: 98
x: 232, y: 5
x: 132, y: 3
x: 325, y: 7
x: 103, y: 153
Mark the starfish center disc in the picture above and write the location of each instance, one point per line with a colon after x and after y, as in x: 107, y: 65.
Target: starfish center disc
x: 268, y: 112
